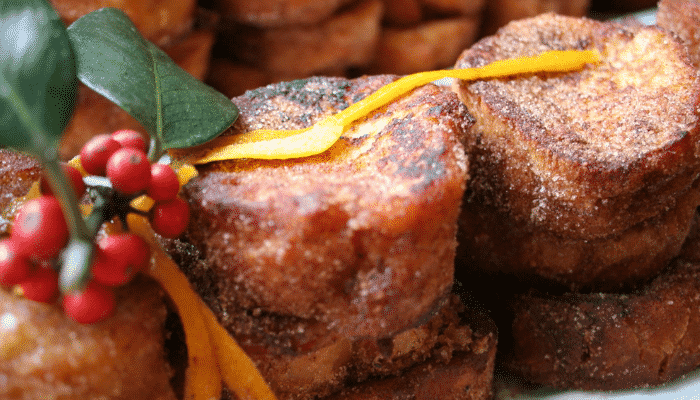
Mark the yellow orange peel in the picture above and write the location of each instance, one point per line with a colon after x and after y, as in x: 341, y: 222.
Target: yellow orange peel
x: 213, y: 355
x: 202, y: 378
x: 285, y: 144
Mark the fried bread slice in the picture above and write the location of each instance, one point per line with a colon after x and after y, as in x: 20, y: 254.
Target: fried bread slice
x: 574, y: 166
x: 342, y: 40
x: 589, y: 153
x: 361, y: 236
x: 616, y: 262
x: 160, y: 21
x: 45, y: 355
x: 278, y: 13
x: 608, y: 341
x: 682, y: 17
x: 426, y: 46
x: 498, y: 13
x: 451, y: 351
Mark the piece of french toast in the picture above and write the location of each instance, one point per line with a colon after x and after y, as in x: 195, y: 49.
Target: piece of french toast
x: 46, y: 355
x: 608, y: 341
x: 344, y: 39
x: 305, y: 358
x: 278, y: 13
x: 361, y: 236
x: 682, y: 18
x: 584, y: 157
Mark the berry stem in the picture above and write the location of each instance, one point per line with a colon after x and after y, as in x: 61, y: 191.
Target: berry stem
x: 77, y: 256
x: 63, y: 190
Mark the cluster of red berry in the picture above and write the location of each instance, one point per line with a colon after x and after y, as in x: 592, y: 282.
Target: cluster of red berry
x: 29, y: 257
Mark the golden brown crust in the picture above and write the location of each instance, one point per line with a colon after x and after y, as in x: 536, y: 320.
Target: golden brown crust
x: 362, y: 235
x: 566, y: 152
x: 682, y: 17
x: 606, y: 341
x: 46, y: 355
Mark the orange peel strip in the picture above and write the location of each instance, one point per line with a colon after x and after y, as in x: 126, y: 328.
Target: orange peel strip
x: 284, y: 144
x: 202, y: 378
x: 237, y: 370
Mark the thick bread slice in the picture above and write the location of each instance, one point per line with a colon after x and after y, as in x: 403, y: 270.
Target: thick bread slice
x: 345, y: 39
x: 591, y: 153
x: 682, y: 17
x: 278, y: 13
x: 468, y: 375
x: 451, y: 351
x: 605, y: 341
x: 45, y: 355
x: 490, y: 241
x: 500, y: 12
x: 361, y: 236
x: 426, y: 46
x: 160, y: 21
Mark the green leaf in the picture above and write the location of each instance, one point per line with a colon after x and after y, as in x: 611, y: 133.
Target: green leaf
x: 117, y: 62
x: 37, y: 77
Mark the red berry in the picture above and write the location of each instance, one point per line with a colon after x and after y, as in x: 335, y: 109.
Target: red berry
x: 130, y: 138
x: 41, y: 285
x: 96, y: 152
x: 170, y: 218
x: 119, y: 258
x: 95, y: 303
x: 74, y: 177
x: 14, y: 266
x: 40, y: 228
x: 129, y: 170
x: 164, y: 184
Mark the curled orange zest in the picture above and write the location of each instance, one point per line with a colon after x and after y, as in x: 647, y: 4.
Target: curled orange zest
x: 202, y: 379
x: 237, y: 370
x: 284, y: 144
x: 214, y: 356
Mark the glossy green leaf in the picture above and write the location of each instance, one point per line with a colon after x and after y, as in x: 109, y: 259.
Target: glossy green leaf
x: 117, y: 62
x: 37, y: 77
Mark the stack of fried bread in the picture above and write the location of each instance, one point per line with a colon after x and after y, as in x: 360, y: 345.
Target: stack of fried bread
x: 584, y: 188
x: 337, y: 269
x: 335, y: 272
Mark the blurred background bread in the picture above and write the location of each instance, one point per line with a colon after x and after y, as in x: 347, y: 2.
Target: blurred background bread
x: 236, y: 45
